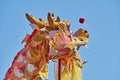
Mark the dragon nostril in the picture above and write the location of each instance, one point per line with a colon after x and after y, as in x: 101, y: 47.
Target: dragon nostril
x: 87, y: 36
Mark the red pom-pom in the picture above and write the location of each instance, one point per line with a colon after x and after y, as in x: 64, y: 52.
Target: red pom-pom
x: 81, y: 20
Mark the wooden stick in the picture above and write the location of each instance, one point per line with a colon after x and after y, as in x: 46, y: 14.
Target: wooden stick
x: 59, y: 69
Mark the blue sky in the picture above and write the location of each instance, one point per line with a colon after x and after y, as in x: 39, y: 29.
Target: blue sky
x: 103, y: 24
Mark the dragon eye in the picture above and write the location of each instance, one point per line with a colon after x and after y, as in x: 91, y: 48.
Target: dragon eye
x: 81, y: 39
x: 85, y: 31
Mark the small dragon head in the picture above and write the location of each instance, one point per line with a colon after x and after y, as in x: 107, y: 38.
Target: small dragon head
x: 81, y: 36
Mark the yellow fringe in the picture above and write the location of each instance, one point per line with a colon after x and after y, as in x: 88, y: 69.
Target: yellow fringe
x: 44, y: 72
x: 76, y: 72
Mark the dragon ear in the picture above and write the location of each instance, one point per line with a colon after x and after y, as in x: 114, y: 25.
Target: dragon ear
x: 50, y: 18
x: 57, y: 19
x: 39, y: 23
x: 52, y: 14
x: 53, y: 24
x: 31, y: 19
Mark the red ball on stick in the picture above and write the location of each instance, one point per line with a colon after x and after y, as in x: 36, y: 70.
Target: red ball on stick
x: 81, y: 20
